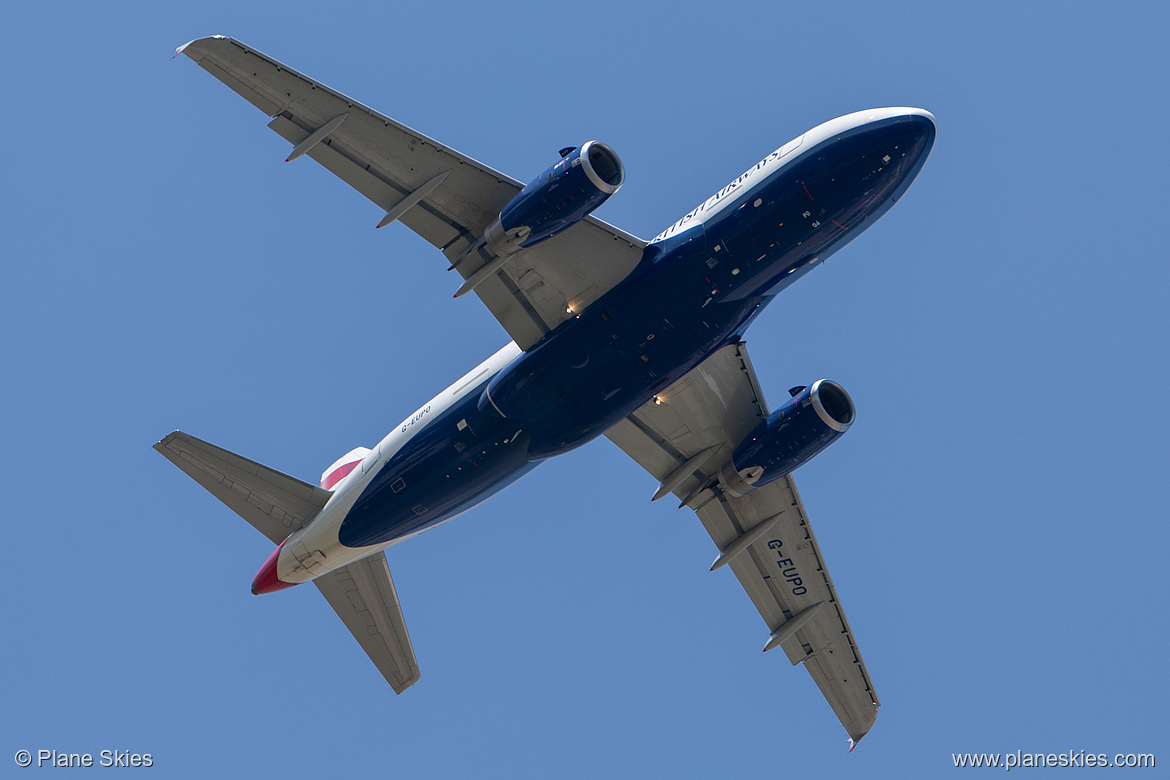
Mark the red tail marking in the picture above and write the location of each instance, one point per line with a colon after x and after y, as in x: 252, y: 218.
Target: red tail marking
x: 338, y: 474
x: 266, y: 580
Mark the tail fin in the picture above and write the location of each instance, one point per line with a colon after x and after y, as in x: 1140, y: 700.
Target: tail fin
x: 274, y: 504
x: 342, y: 466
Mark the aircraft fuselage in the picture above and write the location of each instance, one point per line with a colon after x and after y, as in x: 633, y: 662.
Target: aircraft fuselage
x: 696, y: 289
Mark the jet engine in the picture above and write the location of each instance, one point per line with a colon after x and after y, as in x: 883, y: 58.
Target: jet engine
x: 557, y: 199
x: 810, y: 421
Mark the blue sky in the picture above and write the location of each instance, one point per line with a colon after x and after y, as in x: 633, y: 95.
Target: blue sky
x: 995, y: 522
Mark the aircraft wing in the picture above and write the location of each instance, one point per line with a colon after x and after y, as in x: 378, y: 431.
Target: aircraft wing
x: 363, y: 596
x: 765, y: 535
x: 274, y: 504
x: 444, y: 196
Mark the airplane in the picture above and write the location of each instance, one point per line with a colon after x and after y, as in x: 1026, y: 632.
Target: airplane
x: 611, y: 335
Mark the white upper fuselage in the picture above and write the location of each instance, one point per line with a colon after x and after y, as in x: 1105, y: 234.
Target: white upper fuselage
x: 790, y: 152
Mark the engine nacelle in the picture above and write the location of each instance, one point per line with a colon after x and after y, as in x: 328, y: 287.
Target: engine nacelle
x: 557, y: 199
x: 791, y: 436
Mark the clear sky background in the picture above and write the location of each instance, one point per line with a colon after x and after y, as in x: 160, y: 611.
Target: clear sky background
x: 995, y: 522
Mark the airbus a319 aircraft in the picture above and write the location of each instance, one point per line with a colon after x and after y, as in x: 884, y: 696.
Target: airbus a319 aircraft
x: 638, y: 341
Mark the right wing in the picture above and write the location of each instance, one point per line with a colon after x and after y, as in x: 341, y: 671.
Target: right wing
x: 363, y: 596
x: 444, y: 196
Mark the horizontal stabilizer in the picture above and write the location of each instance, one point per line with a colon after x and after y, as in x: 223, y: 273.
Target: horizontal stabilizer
x: 363, y: 596
x: 274, y: 504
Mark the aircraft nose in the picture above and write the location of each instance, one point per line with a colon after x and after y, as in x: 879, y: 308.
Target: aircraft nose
x: 902, y: 139
x: 266, y: 580
x: 913, y: 128
x: 921, y: 127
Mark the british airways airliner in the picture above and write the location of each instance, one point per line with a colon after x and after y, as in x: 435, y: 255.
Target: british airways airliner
x: 639, y: 341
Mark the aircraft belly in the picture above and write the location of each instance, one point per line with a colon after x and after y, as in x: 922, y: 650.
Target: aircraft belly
x: 459, y: 459
x: 624, y: 349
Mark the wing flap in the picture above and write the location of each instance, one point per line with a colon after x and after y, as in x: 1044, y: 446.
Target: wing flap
x: 363, y: 596
x: 274, y: 504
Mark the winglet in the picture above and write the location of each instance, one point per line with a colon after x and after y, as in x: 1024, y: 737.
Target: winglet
x: 183, y: 48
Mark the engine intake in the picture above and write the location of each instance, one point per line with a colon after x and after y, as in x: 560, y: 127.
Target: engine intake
x: 791, y: 436
x: 557, y: 199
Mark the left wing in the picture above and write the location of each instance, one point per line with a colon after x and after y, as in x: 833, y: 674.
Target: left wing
x: 444, y: 196
x: 682, y: 438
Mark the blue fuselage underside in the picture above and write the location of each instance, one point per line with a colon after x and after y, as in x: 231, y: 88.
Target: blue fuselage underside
x: 690, y: 295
